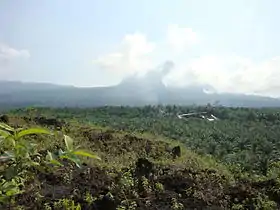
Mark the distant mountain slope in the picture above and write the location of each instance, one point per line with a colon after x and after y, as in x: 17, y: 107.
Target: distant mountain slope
x: 133, y: 91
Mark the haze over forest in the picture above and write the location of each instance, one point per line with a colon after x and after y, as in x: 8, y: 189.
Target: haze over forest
x: 222, y: 47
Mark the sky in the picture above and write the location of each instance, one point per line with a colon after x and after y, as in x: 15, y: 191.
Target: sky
x: 232, y: 46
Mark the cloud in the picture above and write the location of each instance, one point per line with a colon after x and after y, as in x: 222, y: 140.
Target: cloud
x: 224, y: 73
x: 230, y: 74
x: 132, y: 56
x: 137, y: 55
x: 180, y: 38
x: 8, y: 53
x: 9, y: 58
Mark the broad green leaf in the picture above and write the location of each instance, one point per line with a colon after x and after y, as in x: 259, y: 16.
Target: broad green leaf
x: 52, y: 160
x: 4, y: 134
x: 61, y: 152
x: 33, y: 163
x: 6, y: 127
x: 32, y: 131
x: 14, y: 191
x: 19, y: 146
x: 72, y: 158
x: 50, y: 155
x: 8, y: 186
x: 86, y: 154
x: 68, y: 142
x: 55, y: 162
x: 13, y: 141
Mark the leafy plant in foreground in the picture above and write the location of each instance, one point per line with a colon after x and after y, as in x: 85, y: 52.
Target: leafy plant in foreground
x: 70, y: 153
x: 17, y: 158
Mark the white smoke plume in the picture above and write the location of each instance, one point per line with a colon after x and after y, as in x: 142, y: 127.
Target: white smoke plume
x: 224, y: 73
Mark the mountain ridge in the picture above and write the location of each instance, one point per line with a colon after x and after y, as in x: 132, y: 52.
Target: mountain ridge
x: 132, y: 91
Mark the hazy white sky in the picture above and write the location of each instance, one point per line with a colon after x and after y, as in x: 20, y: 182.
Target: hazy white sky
x: 231, y: 45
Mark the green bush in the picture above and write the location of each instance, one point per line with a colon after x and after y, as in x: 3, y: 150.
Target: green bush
x: 21, y: 155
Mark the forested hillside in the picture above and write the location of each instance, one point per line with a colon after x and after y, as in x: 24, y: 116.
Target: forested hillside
x: 153, y: 159
x: 245, y: 137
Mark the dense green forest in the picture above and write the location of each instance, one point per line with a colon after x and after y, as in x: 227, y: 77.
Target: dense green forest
x: 246, y: 137
x: 229, y: 163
